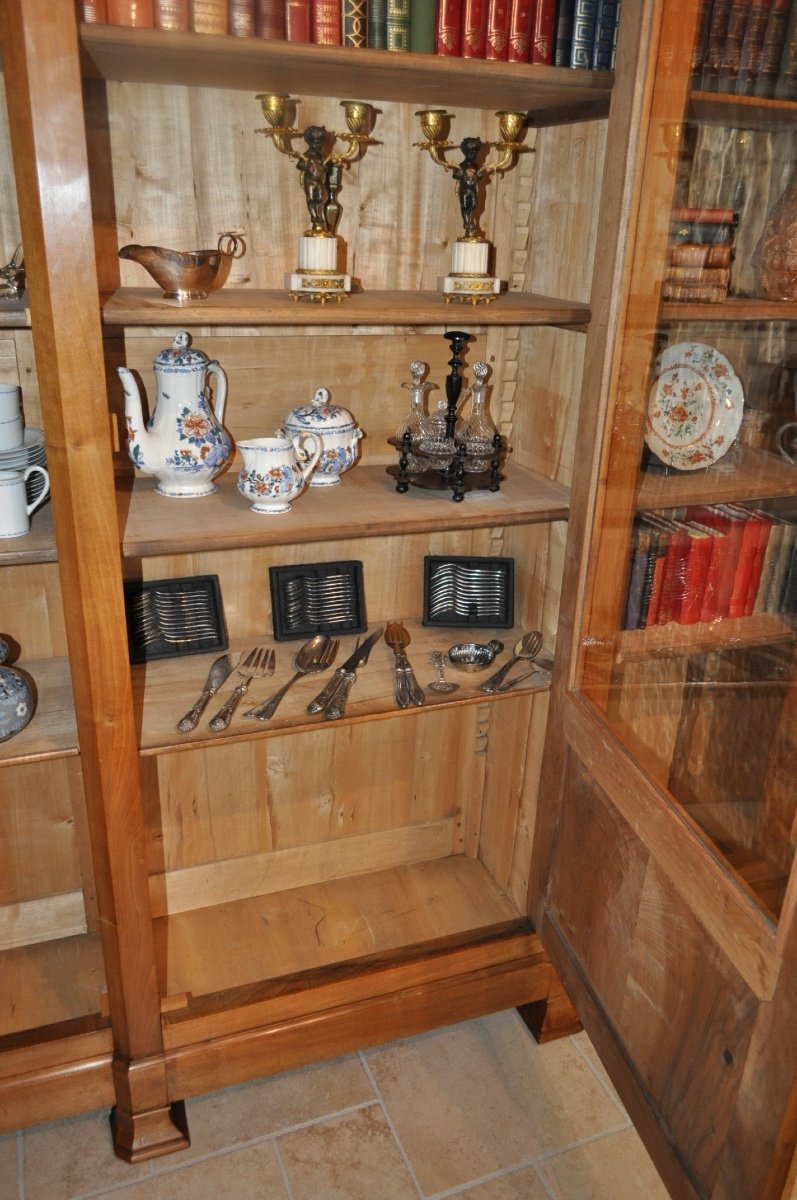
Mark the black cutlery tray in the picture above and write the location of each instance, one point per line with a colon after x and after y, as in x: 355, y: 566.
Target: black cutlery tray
x: 301, y: 599
x: 474, y: 592
x: 141, y: 607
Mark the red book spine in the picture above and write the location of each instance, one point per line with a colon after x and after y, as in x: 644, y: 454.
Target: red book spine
x: 744, y: 565
x: 474, y: 28
x: 695, y: 576
x: 716, y: 518
x: 496, y: 45
x: 521, y: 15
x: 297, y: 20
x: 270, y: 19
x: 326, y: 21
x: 674, y: 578
x: 716, y: 568
x: 765, y: 525
x: 542, y: 32
x: 657, y: 585
x: 448, y: 29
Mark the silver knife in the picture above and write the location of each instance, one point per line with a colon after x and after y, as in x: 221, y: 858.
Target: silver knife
x: 217, y: 674
x: 340, y: 681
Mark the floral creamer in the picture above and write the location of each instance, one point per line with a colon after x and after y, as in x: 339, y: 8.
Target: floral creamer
x: 16, y: 699
x: 337, y: 430
x: 184, y: 444
x: 275, y: 470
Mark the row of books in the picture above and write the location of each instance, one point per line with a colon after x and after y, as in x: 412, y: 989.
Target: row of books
x: 706, y: 562
x: 699, y: 255
x: 570, y: 33
x: 748, y: 47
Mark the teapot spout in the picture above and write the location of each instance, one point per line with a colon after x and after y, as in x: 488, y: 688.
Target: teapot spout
x: 139, y: 441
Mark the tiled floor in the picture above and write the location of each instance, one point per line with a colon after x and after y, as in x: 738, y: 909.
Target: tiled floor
x: 477, y: 1110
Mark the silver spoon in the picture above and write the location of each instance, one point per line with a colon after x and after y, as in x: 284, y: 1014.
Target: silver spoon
x: 527, y: 645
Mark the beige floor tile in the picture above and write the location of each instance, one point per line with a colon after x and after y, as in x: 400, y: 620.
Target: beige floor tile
x: 68, y: 1158
x: 353, y: 1157
x: 481, y: 1097
x: 251, y: 1173
x: 616, y: 1167
x: 8, y: 1166
x: 582, y: 1042
x: 520, y: 1185
x: 241, y: 1114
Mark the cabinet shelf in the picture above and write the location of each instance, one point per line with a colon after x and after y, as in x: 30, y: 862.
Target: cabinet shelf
x: 741, y: 112
x: 38, y: 545
x: 52, y: 733
x: 672, y: 641
x: 365, y: 504
x: 164, y: 690
x: 754, y: 475
x: 736, y: 310
x: 240, y: 306
x: 552, y: 95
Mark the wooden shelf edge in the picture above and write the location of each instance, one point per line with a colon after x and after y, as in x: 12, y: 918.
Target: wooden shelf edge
x: 37, y: 546
x: 366, y: 504
x: 735, y: 309
x: 553, y: 94
x: 672, y: 641
x: 165, y: 689
x: 742, y: 112
x: 743, y: 475
x: 253, y: 307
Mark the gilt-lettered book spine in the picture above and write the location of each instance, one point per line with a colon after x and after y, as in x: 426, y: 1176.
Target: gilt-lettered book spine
x: 298, y: 20
x: 543, y: 32
x: 270, y: 20
x: 355, y: 23
x: 772, y: 48
x: 603, y: 37
x: 377, y: 24
x: 583, y: 34
x: 521, y: 15
x: 326, y: 21
x: 172, y: 14
x: 474, y: 28
x: 753, y: 47
x: 241, y: 18
x: 398, y: 26
x: 448, y: 34
x: 496, y: 43
x: 209, y: 16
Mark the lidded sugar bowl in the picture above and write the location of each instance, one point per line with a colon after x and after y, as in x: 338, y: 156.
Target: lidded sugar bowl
x: 338, y: 431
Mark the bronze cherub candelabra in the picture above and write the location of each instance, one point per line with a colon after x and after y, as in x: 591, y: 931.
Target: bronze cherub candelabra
x: 320, y: 168
x: 469, y: 280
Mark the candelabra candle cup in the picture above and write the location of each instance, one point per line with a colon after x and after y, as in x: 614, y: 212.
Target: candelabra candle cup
x: 273, y: 108
x: 510, y: 125
x: 357, y: 115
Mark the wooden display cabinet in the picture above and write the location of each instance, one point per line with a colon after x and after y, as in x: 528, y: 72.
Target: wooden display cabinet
x: 206, y: 909
x: 183, y: 913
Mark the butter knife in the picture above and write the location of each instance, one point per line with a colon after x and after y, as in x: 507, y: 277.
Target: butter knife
x: 217, y: 674
x: 341, y: 682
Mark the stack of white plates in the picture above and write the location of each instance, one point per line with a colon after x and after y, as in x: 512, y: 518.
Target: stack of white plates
x: 31, y: 452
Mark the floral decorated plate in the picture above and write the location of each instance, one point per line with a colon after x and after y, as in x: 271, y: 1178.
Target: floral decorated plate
x: 695, y: 406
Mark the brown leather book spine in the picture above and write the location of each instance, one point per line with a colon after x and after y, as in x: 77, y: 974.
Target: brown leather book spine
x: 137, y: 13
x: 270, y: 20
x: 171, y: 14
x: 241, y: 18
x: 448, y: 30
x: 209, y: 16
x: 474, y: 28
x: 94, y: 12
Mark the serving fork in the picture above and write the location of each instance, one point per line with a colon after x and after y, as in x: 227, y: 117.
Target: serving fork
x: 257, y: 664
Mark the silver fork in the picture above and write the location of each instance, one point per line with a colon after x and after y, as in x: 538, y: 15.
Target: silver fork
x: 316, y: 655
x: 258, y: 663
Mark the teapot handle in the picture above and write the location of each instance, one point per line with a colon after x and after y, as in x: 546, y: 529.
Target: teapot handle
x: 220, y: 390
x: 786, y: 441
x: 306, y: 464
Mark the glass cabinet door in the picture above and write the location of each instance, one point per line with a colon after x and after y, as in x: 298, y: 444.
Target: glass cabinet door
x: 663, y: 885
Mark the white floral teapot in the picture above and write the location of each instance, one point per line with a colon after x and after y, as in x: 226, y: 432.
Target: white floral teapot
x: 338, y: 431
x: 184, y: 444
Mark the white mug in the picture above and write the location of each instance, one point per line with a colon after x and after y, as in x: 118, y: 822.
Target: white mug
x: 14, y: 508
x: 12, y: 425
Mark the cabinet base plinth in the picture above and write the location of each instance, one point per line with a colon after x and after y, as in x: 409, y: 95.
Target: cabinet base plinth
x: 139, y: 1136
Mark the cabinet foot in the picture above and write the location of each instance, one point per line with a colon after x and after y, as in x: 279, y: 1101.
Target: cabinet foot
x: 139, y: 1136
x: 551, y: 1018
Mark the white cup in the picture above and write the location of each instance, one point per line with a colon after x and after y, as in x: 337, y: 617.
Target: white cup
x: 12, y: 425
x: 14, y: 508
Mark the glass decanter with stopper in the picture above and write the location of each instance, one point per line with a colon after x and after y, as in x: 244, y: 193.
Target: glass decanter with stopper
x: 477, y: 431
x: 416, y: 422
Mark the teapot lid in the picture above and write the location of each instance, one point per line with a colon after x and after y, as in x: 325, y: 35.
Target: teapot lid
x: 180, y: 353
x: 320, y: 415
